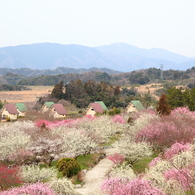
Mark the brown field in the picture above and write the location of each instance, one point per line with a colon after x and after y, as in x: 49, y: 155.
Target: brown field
x: 149, y: 88
x: 38, y: 91
x: 25, y: 96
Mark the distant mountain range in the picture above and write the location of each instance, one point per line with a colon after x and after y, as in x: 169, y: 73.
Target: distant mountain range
x: 118, y: 56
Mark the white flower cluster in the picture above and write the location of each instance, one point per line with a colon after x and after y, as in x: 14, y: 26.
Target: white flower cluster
x: 122, y: 171
x: 11, y: 139
x: 62, y: 186
x: 133, y: 151
x: 33, y: 174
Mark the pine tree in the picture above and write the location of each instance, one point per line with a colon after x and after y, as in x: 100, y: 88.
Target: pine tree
x: 163, y: 107
x: 57, y: 91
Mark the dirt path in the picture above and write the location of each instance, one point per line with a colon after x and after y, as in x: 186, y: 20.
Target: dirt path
x: 96, y: 176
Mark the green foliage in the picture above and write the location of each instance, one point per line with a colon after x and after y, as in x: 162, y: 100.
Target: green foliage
x: 175, y: 97
x: 139, y: 77
x: 68, y: 166
x: 114, y: 111
x: 57, y: 91
x: 1, y: 104
x: 5, y: 87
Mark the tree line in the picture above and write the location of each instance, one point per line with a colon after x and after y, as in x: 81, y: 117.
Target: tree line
x: 81, y: 94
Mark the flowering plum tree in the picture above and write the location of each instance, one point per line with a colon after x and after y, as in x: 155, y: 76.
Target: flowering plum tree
x: 168, y: 130
x: 133, y: 151
x: 9, y: 177
x: 122, y: 171
x: 33, y: 174
x: 116, y: 158
x: 176, y: 148
x: 116, y: 186
x: 12, y: 139
x: 33, y: 189
x: 182, y: 176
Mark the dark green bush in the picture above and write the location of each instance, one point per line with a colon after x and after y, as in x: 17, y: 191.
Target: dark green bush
x: 68, y: 166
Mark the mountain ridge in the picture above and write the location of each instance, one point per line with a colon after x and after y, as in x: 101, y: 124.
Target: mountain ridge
x: 117, y: 56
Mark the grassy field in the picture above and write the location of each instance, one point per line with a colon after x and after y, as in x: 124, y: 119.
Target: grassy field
x: 25, y: 96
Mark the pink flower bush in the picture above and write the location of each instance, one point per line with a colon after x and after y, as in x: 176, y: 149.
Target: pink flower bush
x: 182, y: 112
x: 182, y: 176
x: 9, y: 177
x: 116, y: 158
x: 33, y: 189
x: 137, y: 186
x: 176, y: 148
x: 168, y: 130
x: 154, y: 161
x: 118, y: 119
x: 67, y: 122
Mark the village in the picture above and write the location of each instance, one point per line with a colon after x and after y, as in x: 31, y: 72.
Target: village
x: 11, y: 111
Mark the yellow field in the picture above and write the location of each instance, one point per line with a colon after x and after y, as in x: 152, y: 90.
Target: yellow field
x: 25, y: 96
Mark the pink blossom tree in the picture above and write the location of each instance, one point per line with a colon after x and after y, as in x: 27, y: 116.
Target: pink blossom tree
x: 117, y: 186
x: 176, y: 148
x: 116, y: 158
x: 182, y: 176
x: 33, y: 189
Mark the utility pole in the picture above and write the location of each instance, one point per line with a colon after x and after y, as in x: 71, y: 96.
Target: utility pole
x: 161, y: 71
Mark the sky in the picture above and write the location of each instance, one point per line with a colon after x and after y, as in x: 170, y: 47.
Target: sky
x: 166, y: 24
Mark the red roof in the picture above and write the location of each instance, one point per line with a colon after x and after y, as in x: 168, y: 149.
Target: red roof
x: 11, y: 108
x: 97, y: 107
x: 59, y: 109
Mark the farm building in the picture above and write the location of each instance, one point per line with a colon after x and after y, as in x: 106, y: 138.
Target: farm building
x: 94, y: 108
x: 9, y: 111
x: 46, y: 106
x: 58, y: 111
x: 21, y: 108
x: 134, y: 106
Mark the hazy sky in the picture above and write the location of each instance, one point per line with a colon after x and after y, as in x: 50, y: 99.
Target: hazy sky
x: 167, y: 24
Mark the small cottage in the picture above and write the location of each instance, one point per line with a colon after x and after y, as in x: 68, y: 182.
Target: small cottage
x: 102, y: 105
x: 134, y: 106
x: 21, y: 108
x: 9, y: 111
x: 46, y: 106
x: 58, y: 111
x: 94, y: 108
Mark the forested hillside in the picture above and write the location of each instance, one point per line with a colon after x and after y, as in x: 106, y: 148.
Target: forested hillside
x: 151, y: 75
x: 135, y: 77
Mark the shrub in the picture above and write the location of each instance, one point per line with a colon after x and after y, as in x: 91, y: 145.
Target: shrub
x: 68, y: 166
x: 114, y: 111
x: 9, y: 177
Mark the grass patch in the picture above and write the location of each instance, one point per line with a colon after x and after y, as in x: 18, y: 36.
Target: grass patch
x: 88, y: 160
x: 140, y: 166
x: 111, y: 140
